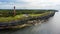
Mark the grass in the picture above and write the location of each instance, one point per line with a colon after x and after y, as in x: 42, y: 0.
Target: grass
x: 8, y: 19
x: 19, y: 17
x: 43, y: 14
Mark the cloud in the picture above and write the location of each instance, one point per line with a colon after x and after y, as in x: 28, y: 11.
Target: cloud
x: 29, y: 4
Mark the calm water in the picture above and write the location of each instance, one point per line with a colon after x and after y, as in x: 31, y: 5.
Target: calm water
x: 52, y: 26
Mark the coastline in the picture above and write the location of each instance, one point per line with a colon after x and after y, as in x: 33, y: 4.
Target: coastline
x: 27, y: 22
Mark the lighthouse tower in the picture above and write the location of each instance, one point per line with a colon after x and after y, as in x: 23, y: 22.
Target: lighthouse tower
x: 14, y: 11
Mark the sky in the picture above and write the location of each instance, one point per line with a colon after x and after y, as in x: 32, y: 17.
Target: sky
x: 30, y: 4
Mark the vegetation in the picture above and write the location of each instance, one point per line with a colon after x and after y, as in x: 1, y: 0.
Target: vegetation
x: 8, y: 19
x: 7, y: 15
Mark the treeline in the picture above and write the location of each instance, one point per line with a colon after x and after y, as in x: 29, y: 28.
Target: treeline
x: 6, y: 13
